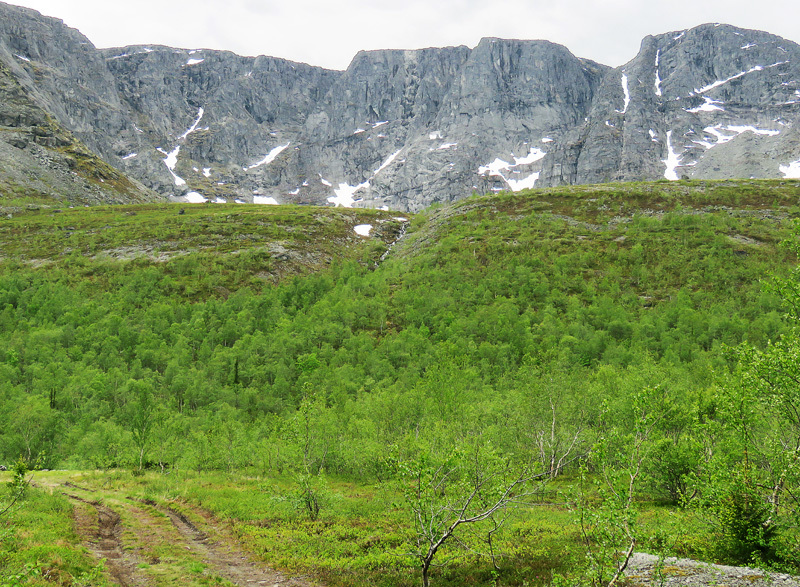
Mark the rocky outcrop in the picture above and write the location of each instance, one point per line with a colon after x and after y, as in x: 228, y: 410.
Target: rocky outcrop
x: 647, y: 570
x: 405, y: 129
x: 42, y: 162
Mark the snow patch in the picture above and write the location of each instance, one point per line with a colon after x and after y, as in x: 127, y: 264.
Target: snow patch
x: 626, y: 93
x: 268, y: 158
x: 709, y: 106
x: 358, y: 131
x: 194, y: 61
x: 435, y: 135
x: 749, y: 46
x: 122, y: 56
x: 658, y: 77
x: 791, y: 171
x: 673, y: 160
x: 532, y: 157
x: 220, y: 201
x: 130, y: 156
x: 207, y: 171
x: 379, y: 124
x: 294, y: 192
x: 195, y: 198
x: 171, y: 161
x: 679, y: 36
x: 523, y: 184
x: 759, y: 131
x: 722, y: 138
x: 265, y: 200
x: 718, y: 83
x: 345, y: 194
x: 716, y: 131
x: 498, y: 166
x: 653, y: 136
x: 21, y: 57
x: 386, y: 163
x: 547, y: 140
x: 494, y: 168
x: 325, y: 181
x: 446, y: 146
x: 363, y: 229
x: 194, y: 126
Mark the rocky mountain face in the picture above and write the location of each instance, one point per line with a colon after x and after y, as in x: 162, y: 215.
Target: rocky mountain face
x: 713, y: 102
x: 405, y: 129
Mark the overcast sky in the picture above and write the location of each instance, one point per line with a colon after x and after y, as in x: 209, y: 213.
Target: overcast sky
x: 329, y: 33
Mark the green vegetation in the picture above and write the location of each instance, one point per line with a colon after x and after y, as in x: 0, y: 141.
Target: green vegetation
x: 604, y: 351
x: 39, y: 544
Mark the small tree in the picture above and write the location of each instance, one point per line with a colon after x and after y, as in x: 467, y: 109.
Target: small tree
x: 306, y: 434
x: 456, y: 493
x: 141, y: 419
x: 19, y: 481
x: 609, y: 525
x: 755, y: 493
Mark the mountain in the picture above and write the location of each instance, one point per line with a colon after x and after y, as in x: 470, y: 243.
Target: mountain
x: 713, y: 102
x: 405, y: 129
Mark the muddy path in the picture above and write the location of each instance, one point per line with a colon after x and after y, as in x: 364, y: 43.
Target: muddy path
x: 227, y: 561
x: 146, y: 543
x: 103, y: 538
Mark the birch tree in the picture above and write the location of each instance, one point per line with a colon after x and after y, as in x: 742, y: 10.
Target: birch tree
x: 459, y: 500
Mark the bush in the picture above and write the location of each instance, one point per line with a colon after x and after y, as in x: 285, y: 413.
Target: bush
x: 748, y: 532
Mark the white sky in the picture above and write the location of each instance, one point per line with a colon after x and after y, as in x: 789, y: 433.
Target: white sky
x: 329, y: 33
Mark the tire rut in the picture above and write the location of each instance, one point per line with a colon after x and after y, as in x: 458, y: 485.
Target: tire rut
x: 226, y: 561
x: 105, y: 542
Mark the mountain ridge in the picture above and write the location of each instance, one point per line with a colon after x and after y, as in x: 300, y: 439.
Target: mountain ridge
x: 403, y: 129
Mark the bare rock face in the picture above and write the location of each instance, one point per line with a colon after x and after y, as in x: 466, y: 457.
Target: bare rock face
x: 42, y: 162
x: 711, y: 102
x: 405, y: 129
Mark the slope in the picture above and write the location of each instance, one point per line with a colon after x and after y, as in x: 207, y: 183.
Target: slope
x: 221, y: 306
x: 43, y: 163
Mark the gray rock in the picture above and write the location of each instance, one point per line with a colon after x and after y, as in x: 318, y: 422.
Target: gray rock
x: 706, y: 93
x: 405, y: 129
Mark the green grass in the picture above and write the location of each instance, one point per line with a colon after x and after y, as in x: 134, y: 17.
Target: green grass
x: 202, y: 250
x: 364, y: 532
x: 39, y: 546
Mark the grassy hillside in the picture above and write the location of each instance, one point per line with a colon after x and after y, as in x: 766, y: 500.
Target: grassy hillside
x: 187, y: 252
x: 278, y: 343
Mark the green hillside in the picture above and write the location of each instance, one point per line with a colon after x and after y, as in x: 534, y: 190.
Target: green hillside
x: 277, y: 343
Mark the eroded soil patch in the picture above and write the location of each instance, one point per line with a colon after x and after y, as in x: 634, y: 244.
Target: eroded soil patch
x: 103, y: 538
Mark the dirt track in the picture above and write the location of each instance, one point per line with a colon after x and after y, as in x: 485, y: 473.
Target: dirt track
x: 149, y: 544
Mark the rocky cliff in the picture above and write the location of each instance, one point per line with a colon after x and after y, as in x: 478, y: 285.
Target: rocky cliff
x: 713, y: 102
x: 404, y: 129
